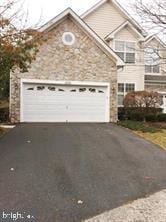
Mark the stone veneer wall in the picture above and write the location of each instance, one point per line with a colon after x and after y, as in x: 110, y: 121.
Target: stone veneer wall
x: 83, y: 61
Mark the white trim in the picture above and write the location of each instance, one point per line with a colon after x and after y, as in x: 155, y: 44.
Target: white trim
x: 103, y: 46
x: 10, y: 96
x: 67, y: 82
x: 161, y: 92
x: 121, y: 9
x: 64, y: 82
x: 123, y: 25
x: 107, y: 115
x: 21, y: 100
x: 153, y: 74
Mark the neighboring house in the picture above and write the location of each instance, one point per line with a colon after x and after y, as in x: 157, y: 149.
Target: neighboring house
x: 86, y: 67
x: 143, y: 69
x: 155, y: 68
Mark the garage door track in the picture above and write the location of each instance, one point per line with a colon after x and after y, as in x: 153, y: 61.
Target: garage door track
x: 71, y: 172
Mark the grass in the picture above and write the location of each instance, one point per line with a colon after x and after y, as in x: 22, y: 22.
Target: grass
x: 154, y: 132
x: 3, y: 131
x: 4, y: 104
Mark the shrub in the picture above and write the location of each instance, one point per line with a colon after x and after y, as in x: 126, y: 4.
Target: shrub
x: 136, y: 116
x: 151, y: 117
x: 122, y: 113
x: 139, y: 104
x: 4, y: 115
x: 134, y: 113
x: 161, y: 117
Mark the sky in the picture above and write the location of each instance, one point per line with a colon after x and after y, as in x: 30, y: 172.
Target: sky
x: 44, y: 10
x: 41, y: 11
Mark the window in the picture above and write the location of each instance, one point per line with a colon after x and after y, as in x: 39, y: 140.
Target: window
x: 40, y: 88
x: 130, y: 87
x: 92, y: 90
x: 51, y: 88
x: 73, y: 90
x: 125, y: 50
x: 68, y: 38
x: 152, y: 60
x: 123, y: 89
x: 100, y: 91
x: 31, y: 88
x: 82, y: 89
x: 152, y: 68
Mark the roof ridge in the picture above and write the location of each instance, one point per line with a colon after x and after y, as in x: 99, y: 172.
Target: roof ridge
x: 99, y: 41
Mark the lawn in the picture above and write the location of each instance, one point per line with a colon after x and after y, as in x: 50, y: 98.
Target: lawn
x: 154, y: 132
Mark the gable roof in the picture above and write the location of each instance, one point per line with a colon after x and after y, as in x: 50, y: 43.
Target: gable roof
x: 151, y: 37
x: 120, y: 8
x: 99, y: 42
x: 123, y: 25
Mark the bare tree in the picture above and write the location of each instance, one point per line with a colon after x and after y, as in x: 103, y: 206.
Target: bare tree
x: 152, y: 15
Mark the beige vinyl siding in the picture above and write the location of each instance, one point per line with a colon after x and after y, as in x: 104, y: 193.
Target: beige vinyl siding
x: 154, y: 42
x: 126, y: 34
x: 105, y: 19
x: 132, y: 74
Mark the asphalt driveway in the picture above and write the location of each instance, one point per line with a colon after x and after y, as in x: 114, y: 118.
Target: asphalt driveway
x: 57, y: 165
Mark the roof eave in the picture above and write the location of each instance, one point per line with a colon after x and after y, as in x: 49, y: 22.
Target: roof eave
x: 150, y: 38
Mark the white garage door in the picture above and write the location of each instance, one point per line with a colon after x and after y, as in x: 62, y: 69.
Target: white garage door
x: 61, y: 103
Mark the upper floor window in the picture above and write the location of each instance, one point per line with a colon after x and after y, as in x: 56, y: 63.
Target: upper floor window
x: 125, y: 50
x: 152, y: 60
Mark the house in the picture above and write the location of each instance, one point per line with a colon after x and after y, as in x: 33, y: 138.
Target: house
x: 73, y: 79
x: 86, y: 67
x: 143, y: 68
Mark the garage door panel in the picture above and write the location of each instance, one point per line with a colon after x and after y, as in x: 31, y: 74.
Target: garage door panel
x: 64, y: 103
